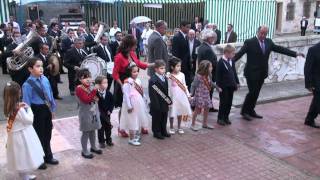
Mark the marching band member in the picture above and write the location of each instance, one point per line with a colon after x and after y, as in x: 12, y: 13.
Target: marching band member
x: 90, y: 38
x: 44, y: 38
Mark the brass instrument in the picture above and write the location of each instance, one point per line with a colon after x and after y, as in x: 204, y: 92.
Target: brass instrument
x: 23, y: 52
x: 54, y: 58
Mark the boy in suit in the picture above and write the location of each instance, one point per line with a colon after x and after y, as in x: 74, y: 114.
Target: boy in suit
x: 159, y: 100
x: 227, y: 80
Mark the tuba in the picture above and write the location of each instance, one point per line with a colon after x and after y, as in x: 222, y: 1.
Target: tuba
x: 54, y: 58
x: 23, y: 53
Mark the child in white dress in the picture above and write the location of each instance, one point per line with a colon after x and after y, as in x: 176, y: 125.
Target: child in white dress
x: 24, y: 150
x: 134, y: 109
x: 178, y: 91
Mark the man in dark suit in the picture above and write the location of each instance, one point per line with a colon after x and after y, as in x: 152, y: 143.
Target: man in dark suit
x: 194, y: 24
x: 43, y: 55
x: 303, y: 26
x: 72, y: 60
x: 90, y: 38
x: 230, y: 35
x: 258, y: 50
x: 67, y: 43
x: 136, y: 33
x: 193, y: 45
x: 104, y: 52
x: 44, y: 38
x: 312, y: 83
x: 205, y: 52
x: 180, y: 49
x: 115, y: 44
x: 218, y: 32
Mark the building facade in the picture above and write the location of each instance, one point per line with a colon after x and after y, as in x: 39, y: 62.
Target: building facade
x: 4, y: 11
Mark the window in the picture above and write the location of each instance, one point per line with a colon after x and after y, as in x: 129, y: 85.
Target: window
x: 306, y: 9
x: 290, y: 11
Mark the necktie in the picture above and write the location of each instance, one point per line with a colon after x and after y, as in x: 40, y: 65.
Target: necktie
x: 263, y: 47
x: 230, y: 62
x: 43, y: 91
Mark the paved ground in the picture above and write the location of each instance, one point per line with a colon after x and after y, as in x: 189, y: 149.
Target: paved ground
x: 277, y: 147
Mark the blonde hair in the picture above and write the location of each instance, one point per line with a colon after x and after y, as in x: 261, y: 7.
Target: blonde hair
x: 204, y: 68
x: 11, y: 97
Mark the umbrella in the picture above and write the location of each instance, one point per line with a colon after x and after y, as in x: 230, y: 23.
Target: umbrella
x: 140, y: 19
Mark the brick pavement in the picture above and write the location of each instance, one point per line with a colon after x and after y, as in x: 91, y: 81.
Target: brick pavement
x: 277, y: 147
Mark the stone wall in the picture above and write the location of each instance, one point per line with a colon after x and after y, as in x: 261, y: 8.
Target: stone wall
x: 281, y: 67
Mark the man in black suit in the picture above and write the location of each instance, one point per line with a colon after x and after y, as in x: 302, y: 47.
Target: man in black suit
x: 72, y: 60
x: 303, y: 26
x: 218, y: 32
x: 258, y: 50
x: 90, y: 38
x: 193, y: 45
x: 136, y: 33
x: 115, y: 44
x: 194, y: 24
x: 230, y: 35
x: 312, y: 83
x: 180, y: 49
x: 43, y: 55
x: 67, y: 43
x: 104, y: 52
x: 44, y: 38
x: 205, y: 52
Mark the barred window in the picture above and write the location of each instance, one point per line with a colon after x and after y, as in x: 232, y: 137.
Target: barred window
x: 306, y: 9
x: 290, y: 11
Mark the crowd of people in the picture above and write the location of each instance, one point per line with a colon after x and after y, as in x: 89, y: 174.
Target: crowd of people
x: 184, y: 72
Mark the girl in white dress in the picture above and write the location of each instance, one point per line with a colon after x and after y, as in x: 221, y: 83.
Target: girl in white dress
x: 179, y: 94
x: 134, y: 109
x: 24, y: 150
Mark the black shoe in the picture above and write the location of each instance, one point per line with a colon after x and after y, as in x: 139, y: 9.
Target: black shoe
x: 166, y: 135
x: 58, y: 98
x: 221, y: 122
x: 246, y: 116
x: 43, y: 166
x: 158, y: 136
x: 110, y: 143
x: 228, y: 122
x: 52, y: 161
x: 102, y: 145
x: 72, y: 93
x: 90, y: 156
x: 311, y: 124
x: 213, y: 110
x: 98, y: 151
x: 255, y: 115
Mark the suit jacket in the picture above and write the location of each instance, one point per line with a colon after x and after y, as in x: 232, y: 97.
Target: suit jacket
x: 257, y: 61
x: 305, y: 25
x: 72, y: 58
x: 194, y: 55
x: 157, y: 49
x: 114, y: 47
x: 312, y: 68
x: 138, y: 33
x: 226, y: 76
x: 89, y: 42
x: 102, y: 54
x: 232, y: 37
x: 66, y: 45
x: 54, y: 34
x: 180, y: 49
x: 205, y: 52
x: 218, y: 32
x: 157, y: 103
x: 105, y: 104
x: 45, y: 64
x: 36, y: 44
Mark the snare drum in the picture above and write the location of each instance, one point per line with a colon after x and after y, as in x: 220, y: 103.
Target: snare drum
x: 95, y: 64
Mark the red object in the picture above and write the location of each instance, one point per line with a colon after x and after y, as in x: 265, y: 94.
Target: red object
x: 122, y: 133
x: 144, y: 131
x: 84, y: 96
x: 121, y: 63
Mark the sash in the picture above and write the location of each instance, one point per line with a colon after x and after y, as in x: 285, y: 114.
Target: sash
x: 179, y: 83
x: 12, y: 117
x: 206, y: 82
x: 40, y: 92
x: 164, y: 97
x: 138, y: 88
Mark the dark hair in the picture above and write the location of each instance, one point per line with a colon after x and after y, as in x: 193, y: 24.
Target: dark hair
x: 126, y: 45
x: 204, y: 68
x: 2, y: 26
x: 130, y: 68
x: 160, y: 23
x: 11, y: 97
x: 32, y: 61
x: 53, y: 24
x: 173, y: 61
x: 115, y: 34
x: 230, y: 25
x: 184, y: 23
x: 69, y: 30
x: 41, y: 45
x: 103, y: 36
x: 83, y: 73
x: 159, y: 63
x: 99, y: 79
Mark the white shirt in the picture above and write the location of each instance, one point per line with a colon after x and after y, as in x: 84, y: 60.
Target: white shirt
x: 191, y: 44
x: 15, y: 25
x: 226, y: 61
x: 103, y: 93
x: 303, y: 23
x: 145, y: 35
x: 106, y: 50
x: 184, y: 35
x: 161, y: 77
x: 113, y: 31
x: 228, y: 35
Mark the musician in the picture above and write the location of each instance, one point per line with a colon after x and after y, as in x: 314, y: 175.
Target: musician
x: 54, y: 30
x: 104, y: 52
x: 72, y: 60
x: 44, y: 38
x: 90, y: 38
x: 19, y: 76
x: 3, y: 43
x: 67, y: 43
x: 115, y: 44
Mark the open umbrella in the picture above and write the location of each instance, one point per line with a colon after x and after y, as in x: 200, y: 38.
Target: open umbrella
x: 140, y: 19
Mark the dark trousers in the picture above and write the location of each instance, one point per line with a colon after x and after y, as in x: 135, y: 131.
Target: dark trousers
x: 72, y: 79
x: 314, y: 108
x: 110, y: 79
x: 303, y: 31
x: 159, y: 122
x: 42, y: 124
x: 226, y: 97
x: 250, y: 101
x: 104, y: 133
x: 4, y: 65
x: 54, y: 85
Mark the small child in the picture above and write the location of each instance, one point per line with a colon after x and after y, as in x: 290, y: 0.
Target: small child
x: 105, y: 104
x: 159, y: 100
x: 89, y: 117
x: 227, y: 80
x: 200, y: 90
x: 134, y: 109
x: 179, y: 94
x: 24, y: 151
